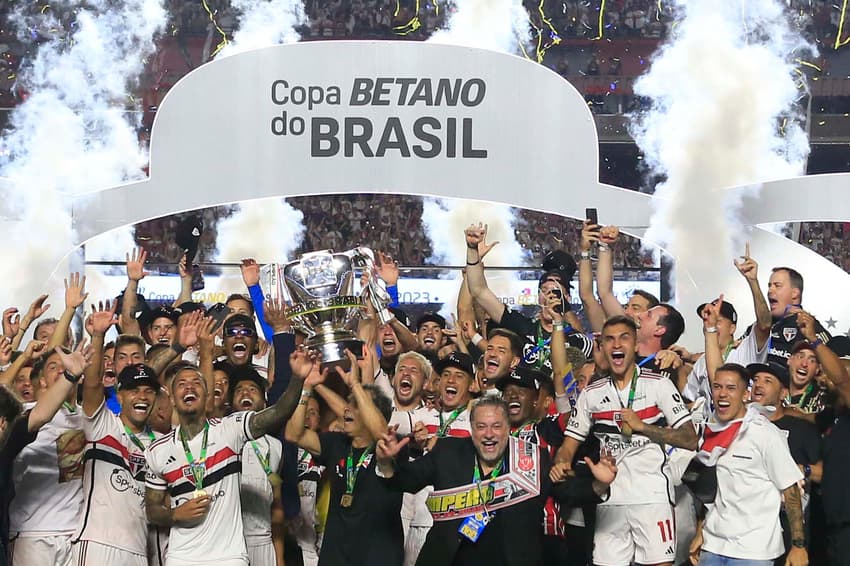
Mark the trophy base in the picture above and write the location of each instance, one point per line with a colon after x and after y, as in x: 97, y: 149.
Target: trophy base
x: 334, y: 353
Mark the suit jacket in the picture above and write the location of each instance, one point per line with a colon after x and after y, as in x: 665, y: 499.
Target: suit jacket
x: 451, y: 464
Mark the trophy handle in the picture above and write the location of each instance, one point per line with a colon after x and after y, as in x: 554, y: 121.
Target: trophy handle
x: 375, y: 293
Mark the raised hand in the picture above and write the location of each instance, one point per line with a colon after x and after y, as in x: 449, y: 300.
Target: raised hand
x: 189, y: 328
x: 183, y: 269
x: 37, y: 309
x: 387, y: 268
x: 101, y: 318
x: 136, y: 264
x: 302, y: 361
x: 75, y: 290
x: 668, y: 359
x: 589, y: 235
x: 250, y: 272
x: 274, y: 311
x: 353, y: 375
x: 5, y: 350
x: 317, y: 375
x: 609, y: 235
x: 34, y: 349
x: 553, y: 301
x: 77, y: 361
x: 747, y: 266
x: 711, y: 312
x: 806, y: 324
x: 207, y: 330
x: 476, y: 237
x: 389, y: 445
x: 11, y: 322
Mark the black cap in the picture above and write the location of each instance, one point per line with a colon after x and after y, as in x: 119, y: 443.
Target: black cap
x: 457, y: 360
x: 563, y: 277
x: 240, y: 320
x: 136, y: 375
x: 431, y: 317
x: 401, y: 316
x: 188, y: 307
x: 776, y: 370
x: 162, y: 312
x: 522, y: 377
x: 188, y: 235
x: 245, y: 373
x: 727, y: 311
x: 559, y: 260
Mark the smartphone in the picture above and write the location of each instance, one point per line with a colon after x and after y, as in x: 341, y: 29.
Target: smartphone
x: 197, y: 277
x: 591, y: 215
x: 219, y: 312
x: 558, y: 308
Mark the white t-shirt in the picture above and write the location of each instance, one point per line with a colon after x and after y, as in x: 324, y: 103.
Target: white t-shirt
x: 114, y: 478
x: 257, y: 492
x: 218, y: 538
x: 643, y: 474
x: 751, y: 475
x: 48, y: 478
x: 745, y: 354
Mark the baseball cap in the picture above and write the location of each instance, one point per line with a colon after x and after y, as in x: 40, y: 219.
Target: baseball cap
x: 136, y: 375
x: 240, y: 320
x: 163, y: 312
x: 188, y: 236
x: 455, y: 359
x: 431, y: 317
x: 774, y: 369
x: 522, y: 377
x: 727, y: 311
x: 559, y: 260
x: 189, y: 307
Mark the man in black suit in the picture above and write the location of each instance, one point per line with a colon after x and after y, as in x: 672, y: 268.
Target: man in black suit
x: 490, y: 490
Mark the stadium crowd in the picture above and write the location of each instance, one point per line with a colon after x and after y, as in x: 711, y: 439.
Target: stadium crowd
x: 224, y: 434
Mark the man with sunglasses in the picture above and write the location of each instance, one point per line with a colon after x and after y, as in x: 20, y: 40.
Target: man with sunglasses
x: 240, y: 339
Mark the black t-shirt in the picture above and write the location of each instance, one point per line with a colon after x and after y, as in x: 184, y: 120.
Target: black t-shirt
x: 369, y: 531
x: 19, y: 437
x: 488, y: 550
x: 836, y: 470
x: 535, y: 351
x: 784, y: 335
x: 803, y: 440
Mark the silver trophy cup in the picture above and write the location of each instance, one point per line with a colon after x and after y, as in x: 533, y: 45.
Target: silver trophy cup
x: 319, y: 289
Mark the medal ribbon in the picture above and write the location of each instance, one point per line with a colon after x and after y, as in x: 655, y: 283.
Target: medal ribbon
x: 633, y: 386
x: 69, y: 407
x: 351, y: 470
x: 444, y: 426
x: 476, y: 479
x: 521, y: 428
x: 264, y: 460
x: 135, y: 439
x: 199, y: 468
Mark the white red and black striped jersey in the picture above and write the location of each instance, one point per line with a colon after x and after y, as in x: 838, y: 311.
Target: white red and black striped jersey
x: 460, y: 427
x: 218, y: 538
x: 113, y: 484
x: 643, y: 472
x: 257, y: 492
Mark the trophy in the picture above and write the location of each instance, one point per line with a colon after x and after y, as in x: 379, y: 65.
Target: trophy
x: 318, y: 289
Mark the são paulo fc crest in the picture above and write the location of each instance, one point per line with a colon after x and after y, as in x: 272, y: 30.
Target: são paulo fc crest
x: 789, y: 333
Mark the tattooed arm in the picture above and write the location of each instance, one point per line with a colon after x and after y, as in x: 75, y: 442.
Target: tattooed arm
x: 797, y: 556
x: 683, y: 437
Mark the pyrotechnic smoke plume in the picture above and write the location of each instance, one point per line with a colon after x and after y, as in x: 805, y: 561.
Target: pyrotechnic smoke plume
x: 723, y: 90
x: 268, y: 230
x: 498, y: 25
x: 73, y: 134
x: 263, y: 23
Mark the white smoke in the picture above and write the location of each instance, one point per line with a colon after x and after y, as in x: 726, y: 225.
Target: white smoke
x: 268, y: 230
x: 73, y: 134
x: 498, y: 25
x: 723, y: 91
x: 263, y: 23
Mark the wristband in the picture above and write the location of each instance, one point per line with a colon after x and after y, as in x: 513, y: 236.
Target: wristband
x: 471, y: 264
x: 585, y: 255
x: 817, y: 342
x: 476, y: 339
x: 179, y: 348
x: 799, y: 543
x: 603, y: 247
x: 710, y: 330
x: 72, y: 378
x: 558, y: 326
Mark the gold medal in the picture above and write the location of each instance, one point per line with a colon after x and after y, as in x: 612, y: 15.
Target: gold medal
x: 199, y: 493
x: 275, y: 480
x: 347, y: 500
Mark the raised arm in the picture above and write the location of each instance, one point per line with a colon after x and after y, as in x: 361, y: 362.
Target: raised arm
x: 749, y: 269
x: 187, y: 336
x: 713, y: 355
x: 49, y: 401
x: 207, y: 329
x: 307, y: 366
x: 832, y: 365
x: 271, y: 419
x: 476, y: 249
x: 135, y: 273
x: 34, y: 349
x: 608, y: 236
x: 75, y: 295
x: 36, y: 310
x: 592, y: 309
x: 185, y: 282
x: 97, y: 324
x: 251, y: 278
x: 374, y: 421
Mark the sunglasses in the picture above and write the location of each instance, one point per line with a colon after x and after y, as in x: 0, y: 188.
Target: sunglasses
x: 240, y: 331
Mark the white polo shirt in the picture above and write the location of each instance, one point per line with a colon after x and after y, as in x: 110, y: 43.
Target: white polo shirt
x: 751, y: 475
